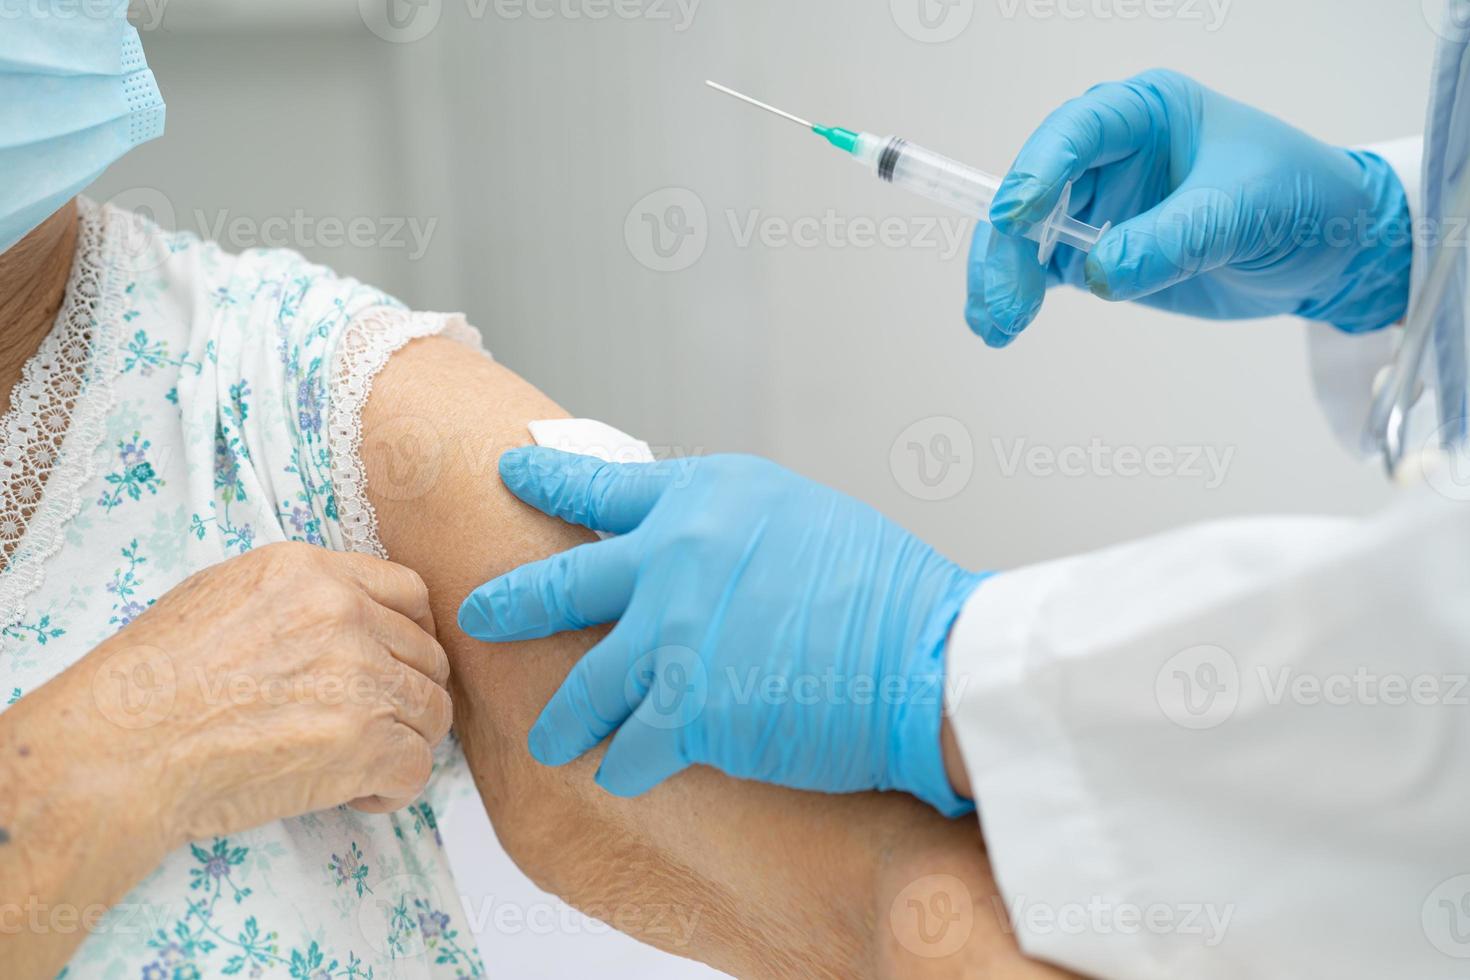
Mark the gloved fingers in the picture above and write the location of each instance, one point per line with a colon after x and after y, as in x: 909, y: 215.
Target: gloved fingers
x: 1007, y: 285
x: 1192, y: 232
x: 588, y: 585
x: 598, y: 695
x: 1108, y: 123
x: 1084, y: 189
x: 648, y: 748
x: 612, y: 497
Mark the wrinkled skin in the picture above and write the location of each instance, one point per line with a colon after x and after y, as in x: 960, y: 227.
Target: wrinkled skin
x: 287, y: 680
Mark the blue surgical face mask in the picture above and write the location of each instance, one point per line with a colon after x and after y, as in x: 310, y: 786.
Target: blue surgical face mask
x: 75, y: 95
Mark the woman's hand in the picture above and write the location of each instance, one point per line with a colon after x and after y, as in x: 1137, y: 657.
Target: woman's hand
x: 1219, y: 211
x: 767, y: 626
x: 287, y: 680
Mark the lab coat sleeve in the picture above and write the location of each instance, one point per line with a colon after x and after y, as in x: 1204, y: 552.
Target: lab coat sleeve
x: 1237, y: 750
x: 1345, y: 366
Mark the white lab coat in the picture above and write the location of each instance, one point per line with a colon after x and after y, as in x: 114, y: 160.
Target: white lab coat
x: 1242, y: 749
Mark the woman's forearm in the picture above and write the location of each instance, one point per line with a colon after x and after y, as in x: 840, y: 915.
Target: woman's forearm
x: 79, y: 811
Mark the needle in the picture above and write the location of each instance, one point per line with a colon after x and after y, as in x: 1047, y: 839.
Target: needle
x: 758, y: 103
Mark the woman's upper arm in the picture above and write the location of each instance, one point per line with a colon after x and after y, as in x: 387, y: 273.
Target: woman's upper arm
x: 753, y: 879
x: 437, y: 421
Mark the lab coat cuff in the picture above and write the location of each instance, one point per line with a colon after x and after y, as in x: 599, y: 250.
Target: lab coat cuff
x: 1044, y: 829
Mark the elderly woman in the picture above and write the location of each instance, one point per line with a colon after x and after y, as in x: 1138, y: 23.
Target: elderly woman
x: 221, y: 700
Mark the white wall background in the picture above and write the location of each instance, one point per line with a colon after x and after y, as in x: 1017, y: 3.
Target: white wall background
x: 529, y: 131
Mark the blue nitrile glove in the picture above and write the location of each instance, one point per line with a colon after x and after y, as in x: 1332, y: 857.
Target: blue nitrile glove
x: 767, y: 626
x: 1219, y: 211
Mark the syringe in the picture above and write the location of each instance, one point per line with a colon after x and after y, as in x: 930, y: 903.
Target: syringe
x: 941, y: 179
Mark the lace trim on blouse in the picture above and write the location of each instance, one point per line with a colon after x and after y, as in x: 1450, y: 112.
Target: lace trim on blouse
x: 58, y: 411
x: 366, y: 345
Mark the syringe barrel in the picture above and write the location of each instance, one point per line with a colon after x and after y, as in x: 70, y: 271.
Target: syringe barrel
x: 967, y: 190
x: 948, y: 182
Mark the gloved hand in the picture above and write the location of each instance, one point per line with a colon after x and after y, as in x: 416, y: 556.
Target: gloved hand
x: 767, y: 626
x: 1219, y: 211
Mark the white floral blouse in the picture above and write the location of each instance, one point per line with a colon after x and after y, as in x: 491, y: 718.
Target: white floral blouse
x: 188, y: 406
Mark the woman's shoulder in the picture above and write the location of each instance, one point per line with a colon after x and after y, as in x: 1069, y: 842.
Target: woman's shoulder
x: 282, y: 354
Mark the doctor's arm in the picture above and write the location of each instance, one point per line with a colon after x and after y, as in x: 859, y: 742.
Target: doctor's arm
x: 1233, y: 750
x: 753, y: 879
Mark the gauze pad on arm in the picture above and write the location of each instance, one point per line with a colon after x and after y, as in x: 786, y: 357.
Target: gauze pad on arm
x: 588, y: 437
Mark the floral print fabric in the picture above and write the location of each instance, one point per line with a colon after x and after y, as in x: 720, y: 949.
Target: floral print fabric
x: 207, y: 391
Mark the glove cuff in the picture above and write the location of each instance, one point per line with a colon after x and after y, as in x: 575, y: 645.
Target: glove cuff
x: 1375, y: 289
x: 916, y: 751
